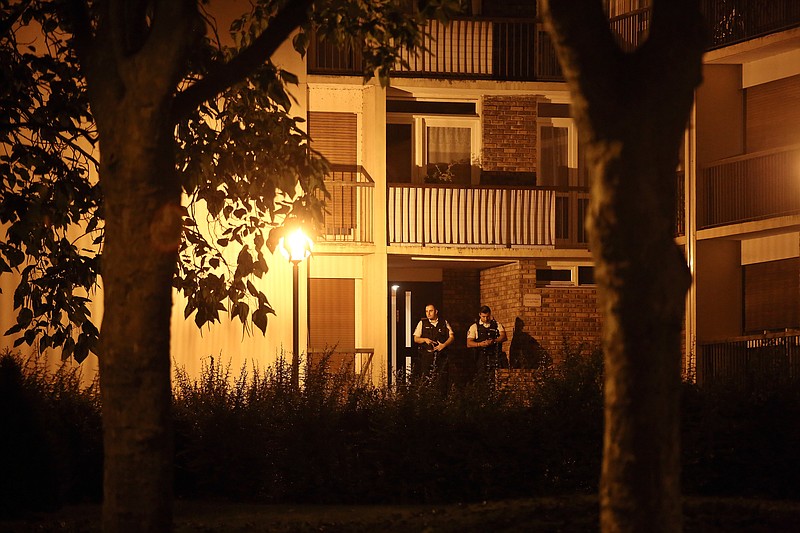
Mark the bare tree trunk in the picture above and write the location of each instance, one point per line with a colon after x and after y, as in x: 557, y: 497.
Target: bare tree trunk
x: 139, y: 257
x: 631, y: 111
x: 133, y: 61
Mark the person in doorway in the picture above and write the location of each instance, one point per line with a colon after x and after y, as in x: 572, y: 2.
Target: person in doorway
x: 486, y: 336
x: 432, y: 336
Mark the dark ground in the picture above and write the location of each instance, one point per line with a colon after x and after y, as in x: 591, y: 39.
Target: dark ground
x: 558, y: 514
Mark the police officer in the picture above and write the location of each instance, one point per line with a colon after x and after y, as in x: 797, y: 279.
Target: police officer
x: 432, y: 335
x: 487, y: 336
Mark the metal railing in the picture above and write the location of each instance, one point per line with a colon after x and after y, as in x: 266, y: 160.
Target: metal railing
x: 474, y: 48
x: 357, y: 361
x: 484, y: 216
x: 758, y: 360
x: 349, y: 208
x: 680, y: 203
x: 571, y: 207
x: 749, y: 187
x: 631, y: 29
x: 734, y: 21
x: 521, y: 49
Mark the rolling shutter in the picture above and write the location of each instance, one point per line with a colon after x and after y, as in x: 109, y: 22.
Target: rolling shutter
x: 334, y: 135
x: 773, y: 114
x: 331, y: 313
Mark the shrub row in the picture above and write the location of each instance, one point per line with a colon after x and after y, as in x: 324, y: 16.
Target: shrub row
x: 256, y: 438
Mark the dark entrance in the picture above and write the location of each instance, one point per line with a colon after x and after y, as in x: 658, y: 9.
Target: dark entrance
x: 411, y: 296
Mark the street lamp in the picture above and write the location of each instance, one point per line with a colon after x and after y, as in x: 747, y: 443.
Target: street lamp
x: 295, y: 247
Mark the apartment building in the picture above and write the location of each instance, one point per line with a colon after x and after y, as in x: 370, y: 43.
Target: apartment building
x: 743, y: 195
x: 467, y: 188
x: 462, y: 184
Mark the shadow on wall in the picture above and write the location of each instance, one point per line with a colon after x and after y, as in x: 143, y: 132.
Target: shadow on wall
x: 525, y: 351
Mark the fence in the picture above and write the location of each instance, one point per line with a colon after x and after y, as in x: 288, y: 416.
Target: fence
x: 749, y: 187
x: 754, y: 361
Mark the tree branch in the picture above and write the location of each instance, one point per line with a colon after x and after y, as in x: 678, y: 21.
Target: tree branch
x: 13, y: 16
x: 237, y: 69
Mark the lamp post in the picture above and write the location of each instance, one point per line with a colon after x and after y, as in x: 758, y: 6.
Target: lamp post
x: 295, y: 246
x: 393, y: 357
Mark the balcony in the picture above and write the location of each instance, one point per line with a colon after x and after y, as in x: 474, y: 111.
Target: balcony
x: 752, y: 361
x: 734, y: 21
x: 491, y: 217
x: 521, y: 50
x: 750, y: 187
x: 467, y: 48
x: 349, y: 209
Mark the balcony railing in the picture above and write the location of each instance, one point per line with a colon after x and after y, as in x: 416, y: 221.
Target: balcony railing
x: 474, y: 48
x: 763, y: 360
x: 680, y: 203
x: 485, y: 216
x: 349, y: 209
x: 749, y: 187
x: 631, y: 29
x: 521, y: 50
x: 734, y: 21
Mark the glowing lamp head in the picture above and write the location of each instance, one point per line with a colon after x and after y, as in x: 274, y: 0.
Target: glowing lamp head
x: 295, y: 246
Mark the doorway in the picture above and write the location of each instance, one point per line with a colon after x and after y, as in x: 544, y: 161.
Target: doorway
x: 410, y: 299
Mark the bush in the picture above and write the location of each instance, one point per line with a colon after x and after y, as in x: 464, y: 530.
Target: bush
x: 52, y: 443
x: 336, y: 440
x: 740, y: 441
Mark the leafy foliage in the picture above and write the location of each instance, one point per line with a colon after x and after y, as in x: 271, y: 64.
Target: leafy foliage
x: 247, y: 169
x: 51, y: 205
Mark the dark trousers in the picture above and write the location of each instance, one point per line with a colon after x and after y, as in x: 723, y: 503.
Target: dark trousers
x: 433, y: 366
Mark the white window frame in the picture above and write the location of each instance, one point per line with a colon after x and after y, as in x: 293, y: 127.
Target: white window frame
x: 572, y: 144
x: 419, y: 142
x: 572, y: 268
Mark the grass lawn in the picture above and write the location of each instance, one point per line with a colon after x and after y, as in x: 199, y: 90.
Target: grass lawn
x: 556, y: 514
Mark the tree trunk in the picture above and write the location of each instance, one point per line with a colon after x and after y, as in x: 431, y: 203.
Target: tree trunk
x: 142, y: 233
x: 643, y: 279
x: 132, y: 70
x: 631, y: 111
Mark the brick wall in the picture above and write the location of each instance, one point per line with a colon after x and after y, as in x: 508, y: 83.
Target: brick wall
x: 555, y: 313
x: 460, y: 300
x: 567, y: 313
x: 460, y: 289
x: 501, y: 289
x: 509, y: 137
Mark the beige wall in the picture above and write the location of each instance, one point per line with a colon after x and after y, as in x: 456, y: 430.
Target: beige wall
x: 718, y: 282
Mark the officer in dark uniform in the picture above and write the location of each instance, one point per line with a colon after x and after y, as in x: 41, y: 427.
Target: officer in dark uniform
x: 486, y: 336
x: 432, y: 336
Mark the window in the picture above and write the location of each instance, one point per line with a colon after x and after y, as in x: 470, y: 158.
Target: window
x: 553, y: 276
x: 565, y: 275
x: 586, y: 275
x: 449, y: 154
x: 399, y: 153
x: 432, y: 149
x: 771, y: 295
x: 558, y: 154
